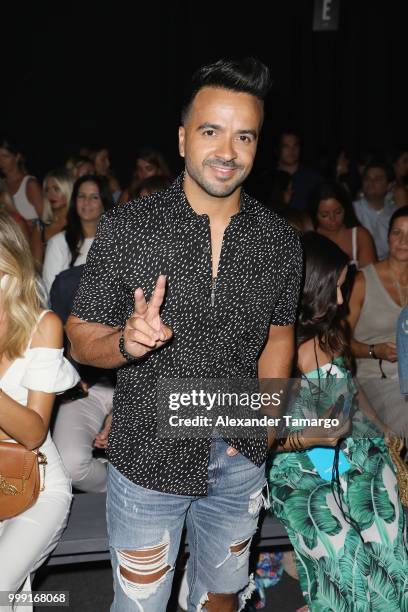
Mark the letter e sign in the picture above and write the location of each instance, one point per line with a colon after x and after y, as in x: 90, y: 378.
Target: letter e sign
x: 326, y: 15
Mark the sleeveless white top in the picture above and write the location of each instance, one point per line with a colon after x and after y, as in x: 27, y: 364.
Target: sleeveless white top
x: 22, y: 203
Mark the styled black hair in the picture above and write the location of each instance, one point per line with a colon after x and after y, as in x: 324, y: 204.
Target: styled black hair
x: 74, y: 234
x: 332, y: 190
x: 400, y: 212
x: 247, y: 75
x: 319, y: 313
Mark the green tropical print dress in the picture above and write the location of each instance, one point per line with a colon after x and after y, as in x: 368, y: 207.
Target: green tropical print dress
x: 351, y: 556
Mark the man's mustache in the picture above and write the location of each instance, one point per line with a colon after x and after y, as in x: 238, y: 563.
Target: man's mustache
x: 216, y: 161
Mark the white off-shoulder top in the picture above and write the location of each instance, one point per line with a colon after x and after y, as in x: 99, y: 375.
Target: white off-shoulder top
x: 40, y: 369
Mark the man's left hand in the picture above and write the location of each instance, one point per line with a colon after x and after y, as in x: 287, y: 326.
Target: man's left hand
x: 231, y: 451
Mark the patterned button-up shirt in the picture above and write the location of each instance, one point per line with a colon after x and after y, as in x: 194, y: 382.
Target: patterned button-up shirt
x: 218, y: 333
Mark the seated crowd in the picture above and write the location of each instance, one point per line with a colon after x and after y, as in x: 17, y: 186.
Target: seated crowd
x: 352, y: 217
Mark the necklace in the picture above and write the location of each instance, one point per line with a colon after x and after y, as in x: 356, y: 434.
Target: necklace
x: 402, y: 290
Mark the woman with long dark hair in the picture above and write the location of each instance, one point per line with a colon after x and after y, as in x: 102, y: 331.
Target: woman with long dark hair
x: 90, y: 198
x: 340, y: 505
x: 332, y: 215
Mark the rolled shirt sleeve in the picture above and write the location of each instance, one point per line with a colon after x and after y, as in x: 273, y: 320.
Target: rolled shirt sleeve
x: 286, y: 307
x: 100, y: 297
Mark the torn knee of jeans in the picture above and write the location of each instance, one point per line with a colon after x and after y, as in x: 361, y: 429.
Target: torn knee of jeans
x: 141, y: 571
x: 240, y: 549
x: 240, y: 598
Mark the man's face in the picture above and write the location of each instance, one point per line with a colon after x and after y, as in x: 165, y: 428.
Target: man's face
x: 289, y: 150
x: 219, y: 139
x: 102, y: 162
x: 375, y: 183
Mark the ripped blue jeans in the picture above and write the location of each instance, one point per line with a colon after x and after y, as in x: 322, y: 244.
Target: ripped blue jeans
x: 145, y: 529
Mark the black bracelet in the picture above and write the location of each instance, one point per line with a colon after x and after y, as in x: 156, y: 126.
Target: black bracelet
x: 129, y: 358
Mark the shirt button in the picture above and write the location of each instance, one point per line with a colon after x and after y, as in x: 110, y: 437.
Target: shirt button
x: 206, y: 250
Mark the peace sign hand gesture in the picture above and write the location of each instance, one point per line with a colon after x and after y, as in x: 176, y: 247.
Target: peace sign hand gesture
x: 144, y: 330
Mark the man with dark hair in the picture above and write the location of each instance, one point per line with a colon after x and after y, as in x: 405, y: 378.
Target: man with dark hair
x: 375, y: 209
x: 304, y: 179
x: 197, y: 282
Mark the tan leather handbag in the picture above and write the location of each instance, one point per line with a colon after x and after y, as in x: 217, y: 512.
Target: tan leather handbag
x: 395, y: 446
x: 19, y: 478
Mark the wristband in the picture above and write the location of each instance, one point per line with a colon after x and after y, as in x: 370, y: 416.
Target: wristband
x: 129, y: 358
x: 371, y: 351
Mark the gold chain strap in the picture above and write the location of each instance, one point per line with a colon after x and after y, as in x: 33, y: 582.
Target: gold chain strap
x: 43, y: 461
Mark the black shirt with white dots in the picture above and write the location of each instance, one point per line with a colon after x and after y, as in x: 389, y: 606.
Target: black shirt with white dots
x: 219, y: 329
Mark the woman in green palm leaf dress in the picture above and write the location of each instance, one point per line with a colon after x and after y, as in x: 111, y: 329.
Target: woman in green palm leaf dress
x: 348, y: 532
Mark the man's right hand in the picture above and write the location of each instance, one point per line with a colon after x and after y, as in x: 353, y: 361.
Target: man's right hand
x: 144, y: 330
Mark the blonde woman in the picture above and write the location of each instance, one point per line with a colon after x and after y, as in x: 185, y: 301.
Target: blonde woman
x: 57, y: 188
x: 32, y: 371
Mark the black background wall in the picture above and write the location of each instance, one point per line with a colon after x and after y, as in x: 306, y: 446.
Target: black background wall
x: 113, y: 73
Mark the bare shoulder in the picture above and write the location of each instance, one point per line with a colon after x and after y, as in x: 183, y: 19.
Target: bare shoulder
x: 358, y: 285
x: 359, y: 280
x: 311, y: 356
x: 357, y: 298
x: 381, y: 267
x: 304, y: 357
x: 363, y: 233
x: 49, y: 332
x: 33, y: 185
